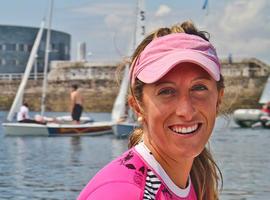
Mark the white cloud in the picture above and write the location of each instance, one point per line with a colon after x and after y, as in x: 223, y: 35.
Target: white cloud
x: 163, y: 10
x: 242, y: 14
x: 241, y: 27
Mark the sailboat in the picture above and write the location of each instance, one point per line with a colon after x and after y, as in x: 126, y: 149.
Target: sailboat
x: 254, y: 117
x: 122, y: 116
x: 51, y: 128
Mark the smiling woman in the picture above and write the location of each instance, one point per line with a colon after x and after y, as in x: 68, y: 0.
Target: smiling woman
x: 176, y: 90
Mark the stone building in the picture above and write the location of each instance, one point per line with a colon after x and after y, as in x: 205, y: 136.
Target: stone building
x: 16, y: 43
x: 250, y: 67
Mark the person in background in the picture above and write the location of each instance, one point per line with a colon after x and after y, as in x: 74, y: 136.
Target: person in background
x: 176, y: 91
x: 266, y: 108
x: 76, y: 104
x: 23, y: 115
x: 265, y: 116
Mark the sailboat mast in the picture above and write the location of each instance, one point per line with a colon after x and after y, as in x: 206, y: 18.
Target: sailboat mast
x: 46, y: 61
x: 139, y: 28
x: 140, y: 23
x: 119, y: 109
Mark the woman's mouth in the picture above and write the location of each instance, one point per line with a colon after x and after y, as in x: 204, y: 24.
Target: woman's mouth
x: 185, y: 130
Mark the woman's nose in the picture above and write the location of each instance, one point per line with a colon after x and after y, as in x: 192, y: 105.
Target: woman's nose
x: 185, y: 108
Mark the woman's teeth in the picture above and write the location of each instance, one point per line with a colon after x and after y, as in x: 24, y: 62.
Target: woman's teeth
x: 184, y: 130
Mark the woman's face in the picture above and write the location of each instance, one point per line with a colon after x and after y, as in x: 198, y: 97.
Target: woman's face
x: 180, y: 111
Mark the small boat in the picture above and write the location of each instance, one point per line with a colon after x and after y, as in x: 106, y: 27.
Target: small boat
x: 247, y: 117
x: 254, y: 117
x: 124, y: 129
x: 56, y: 129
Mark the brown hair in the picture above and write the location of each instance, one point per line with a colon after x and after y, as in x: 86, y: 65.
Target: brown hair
x: 205, y: 174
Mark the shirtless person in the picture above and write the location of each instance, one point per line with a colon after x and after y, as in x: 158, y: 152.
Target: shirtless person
x: 76, y: 104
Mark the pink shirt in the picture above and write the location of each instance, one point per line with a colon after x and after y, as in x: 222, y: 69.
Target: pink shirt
x: 135, y: 175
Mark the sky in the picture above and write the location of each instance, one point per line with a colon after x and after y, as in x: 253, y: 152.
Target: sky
x: 237, y: 27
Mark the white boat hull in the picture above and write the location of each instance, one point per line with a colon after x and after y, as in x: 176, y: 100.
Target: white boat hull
x: 24, y: 129
x: 53, y: 129
x: 123, y: 129
x: 247, y: 117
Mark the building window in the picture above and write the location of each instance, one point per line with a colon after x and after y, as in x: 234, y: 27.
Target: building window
x: 12, y: 62
x: 10, y: 47
x: 53, y: 48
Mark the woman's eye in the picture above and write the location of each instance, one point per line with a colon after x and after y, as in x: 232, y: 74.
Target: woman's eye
x: 199, y: 88
x: 167, y: 91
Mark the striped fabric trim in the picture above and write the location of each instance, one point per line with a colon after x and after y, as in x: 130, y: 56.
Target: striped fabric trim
x: 152, y: 185
x: 142, y: 149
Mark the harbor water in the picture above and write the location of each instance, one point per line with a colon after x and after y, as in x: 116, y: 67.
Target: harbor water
x: 56, y: 168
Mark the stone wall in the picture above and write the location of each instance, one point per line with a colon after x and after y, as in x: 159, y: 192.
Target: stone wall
x: 242, y: 92
x: 97, y: 97
x: 99, y: 88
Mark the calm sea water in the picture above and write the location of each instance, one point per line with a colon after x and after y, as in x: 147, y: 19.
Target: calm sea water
x: 55, y: 168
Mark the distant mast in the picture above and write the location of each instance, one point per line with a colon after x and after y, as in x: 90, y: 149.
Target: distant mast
x: 46, y: 62
x: 120, y: 109
x: 140, y: 24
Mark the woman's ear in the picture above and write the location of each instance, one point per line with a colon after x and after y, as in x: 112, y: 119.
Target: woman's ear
x: 134, y: 105
x: 220, y: 97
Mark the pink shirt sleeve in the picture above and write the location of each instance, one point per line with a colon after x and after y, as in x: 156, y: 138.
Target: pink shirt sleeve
x: 113, y: 191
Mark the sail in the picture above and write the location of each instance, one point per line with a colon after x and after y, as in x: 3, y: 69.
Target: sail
x: 265, y: 97
x: 19, y: 95
x: 120, y: 108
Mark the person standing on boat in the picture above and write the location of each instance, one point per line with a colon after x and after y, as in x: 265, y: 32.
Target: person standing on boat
x: 176, y: 91
x: 76, y: 104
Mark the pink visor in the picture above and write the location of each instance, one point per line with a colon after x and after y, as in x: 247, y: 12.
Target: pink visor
x: 164, y: 53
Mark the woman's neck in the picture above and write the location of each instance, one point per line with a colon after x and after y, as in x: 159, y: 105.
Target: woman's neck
x: 177, y: 169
